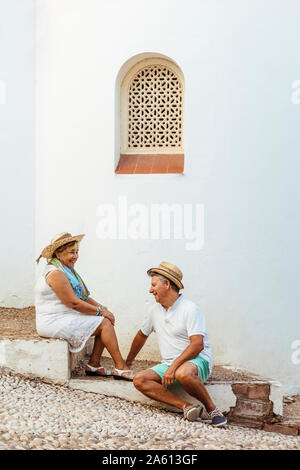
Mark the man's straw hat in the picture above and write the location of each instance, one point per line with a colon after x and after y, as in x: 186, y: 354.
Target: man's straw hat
x: 170, y: 271
x: 58, y: 241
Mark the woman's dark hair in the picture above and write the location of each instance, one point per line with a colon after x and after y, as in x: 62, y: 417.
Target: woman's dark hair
x: 62, y: 248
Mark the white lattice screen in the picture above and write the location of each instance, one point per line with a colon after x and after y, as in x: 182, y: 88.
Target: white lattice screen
x: 154, y: 110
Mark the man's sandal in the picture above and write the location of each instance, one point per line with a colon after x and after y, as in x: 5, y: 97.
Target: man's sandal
x: 119, y: 375
x: 191, y: 413
x: 93, y: 371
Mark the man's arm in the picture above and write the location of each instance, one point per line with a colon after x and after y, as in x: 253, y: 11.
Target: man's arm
x: 137, y: 344
x: 193, y: 350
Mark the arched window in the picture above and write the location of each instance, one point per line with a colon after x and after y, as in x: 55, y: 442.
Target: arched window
x: 152, y: 114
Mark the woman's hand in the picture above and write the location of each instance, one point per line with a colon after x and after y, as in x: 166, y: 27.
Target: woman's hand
x: 107, y: 314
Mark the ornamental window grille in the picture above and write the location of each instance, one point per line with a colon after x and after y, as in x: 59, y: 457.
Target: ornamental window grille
x: 152, y: 102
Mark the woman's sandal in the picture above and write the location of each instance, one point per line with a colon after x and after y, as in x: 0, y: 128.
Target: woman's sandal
x: 92, y: 371
x: 119, y: 375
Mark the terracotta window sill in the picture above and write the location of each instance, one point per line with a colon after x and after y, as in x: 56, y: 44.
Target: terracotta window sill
x: 150, y: 164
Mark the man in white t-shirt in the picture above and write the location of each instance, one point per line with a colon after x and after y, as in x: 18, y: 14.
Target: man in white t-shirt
x: 184, y: 346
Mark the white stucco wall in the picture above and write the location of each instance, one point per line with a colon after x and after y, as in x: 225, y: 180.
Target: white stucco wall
x: 239, y: 60
x: 17, y: 69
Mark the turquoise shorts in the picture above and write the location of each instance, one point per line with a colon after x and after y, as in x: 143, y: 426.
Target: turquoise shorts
x: 202, y: 366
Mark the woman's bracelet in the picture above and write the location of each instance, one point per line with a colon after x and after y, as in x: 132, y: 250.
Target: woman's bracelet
x: 99, y: 312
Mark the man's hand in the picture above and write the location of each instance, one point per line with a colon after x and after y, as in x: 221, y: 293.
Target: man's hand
x: 107, y: 314
x: 168, y: 378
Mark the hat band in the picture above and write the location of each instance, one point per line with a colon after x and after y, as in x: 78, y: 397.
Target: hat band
x: 171, y: 273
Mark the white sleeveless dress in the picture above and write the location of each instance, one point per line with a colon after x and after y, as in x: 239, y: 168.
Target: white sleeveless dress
x: 55, y: 320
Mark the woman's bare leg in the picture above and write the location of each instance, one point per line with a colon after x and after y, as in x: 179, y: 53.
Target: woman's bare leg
x: 97, y: 352
x: 108, y: 339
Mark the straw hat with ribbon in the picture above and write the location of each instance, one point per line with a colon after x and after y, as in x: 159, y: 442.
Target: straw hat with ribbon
x: 170, y: 271
x: 58, y: 241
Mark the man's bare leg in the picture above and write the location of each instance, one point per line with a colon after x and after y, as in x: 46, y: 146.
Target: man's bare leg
x: 148, y: 382
x: 187, y: 376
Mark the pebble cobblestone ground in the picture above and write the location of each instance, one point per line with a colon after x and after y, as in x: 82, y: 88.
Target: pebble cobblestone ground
x: 35, y: 415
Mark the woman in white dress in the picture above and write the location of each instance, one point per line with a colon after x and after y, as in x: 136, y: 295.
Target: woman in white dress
x: 65, y: 310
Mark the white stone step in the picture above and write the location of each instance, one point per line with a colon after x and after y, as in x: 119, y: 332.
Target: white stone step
x: 48, y: 359
x: 220, y: 392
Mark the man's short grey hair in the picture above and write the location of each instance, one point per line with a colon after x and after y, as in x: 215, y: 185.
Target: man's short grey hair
x: 164, y: 279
